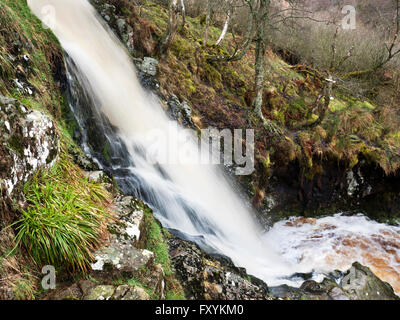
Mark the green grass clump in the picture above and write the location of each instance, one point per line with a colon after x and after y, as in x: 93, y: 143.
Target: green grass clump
x: 24, y: 289
x: 65, y: 218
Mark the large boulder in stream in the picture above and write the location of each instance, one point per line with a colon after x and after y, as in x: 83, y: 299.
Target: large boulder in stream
x: 28, y: 141
x: 357, y: 283
x: 360, y: 283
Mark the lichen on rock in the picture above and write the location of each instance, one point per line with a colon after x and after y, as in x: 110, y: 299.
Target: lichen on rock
x: 29, y: 141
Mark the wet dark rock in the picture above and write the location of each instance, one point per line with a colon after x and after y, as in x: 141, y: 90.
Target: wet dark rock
x: 148, y: 66
x: 186, y: 112
x: 23, y: 68
x: 204, y: 277
x: 148, y: 82
x: 82, y: 160
x: 180, y: 112
x: 146, y: 70
x: 118, y: 24
x: 365, y: 188
x: 99, y: 137
x: 285, y: 292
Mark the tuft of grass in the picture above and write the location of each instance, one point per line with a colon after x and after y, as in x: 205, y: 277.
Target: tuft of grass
x: 24, y: 289
x: 65, y: 219
x: 175, y: 295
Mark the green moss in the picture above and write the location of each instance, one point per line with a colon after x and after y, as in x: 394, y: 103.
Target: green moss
x: 212, y: 76
x: 155, y: 242
x: 337, y: 105
x: 368, y: 105
x: 41, y: 46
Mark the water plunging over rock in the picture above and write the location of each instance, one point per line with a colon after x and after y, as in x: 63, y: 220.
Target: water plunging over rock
x: 115, y: 116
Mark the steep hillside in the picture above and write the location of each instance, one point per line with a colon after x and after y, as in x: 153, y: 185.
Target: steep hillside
x: 37, y: 210
x: 307, y: 168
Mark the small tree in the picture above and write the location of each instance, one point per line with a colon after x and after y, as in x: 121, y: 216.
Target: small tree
x: 230, y: 9
x: 170, y: 33
x: 260, y: 12
x: 208, y: 18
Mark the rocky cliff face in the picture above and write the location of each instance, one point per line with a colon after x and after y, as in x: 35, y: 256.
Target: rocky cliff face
x: 364, y: 188
x: 28, y: 142
x: 212, y: 278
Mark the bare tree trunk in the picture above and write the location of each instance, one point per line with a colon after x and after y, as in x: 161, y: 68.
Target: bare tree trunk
x: 261, y: 15
x: 226, y: 25
x: 208, y: 17
x: 248, y: 40
x: 171, y: 29
x: 183, y: 10
x: 397, y: 17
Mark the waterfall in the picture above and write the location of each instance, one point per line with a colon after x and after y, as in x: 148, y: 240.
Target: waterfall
x: 195, y: 200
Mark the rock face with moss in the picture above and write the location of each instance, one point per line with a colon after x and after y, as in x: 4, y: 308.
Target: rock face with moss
x: 28, y: 142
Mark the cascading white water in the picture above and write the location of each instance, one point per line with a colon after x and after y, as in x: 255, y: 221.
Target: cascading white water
x: 198, y: 199
x: 194, y: 199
